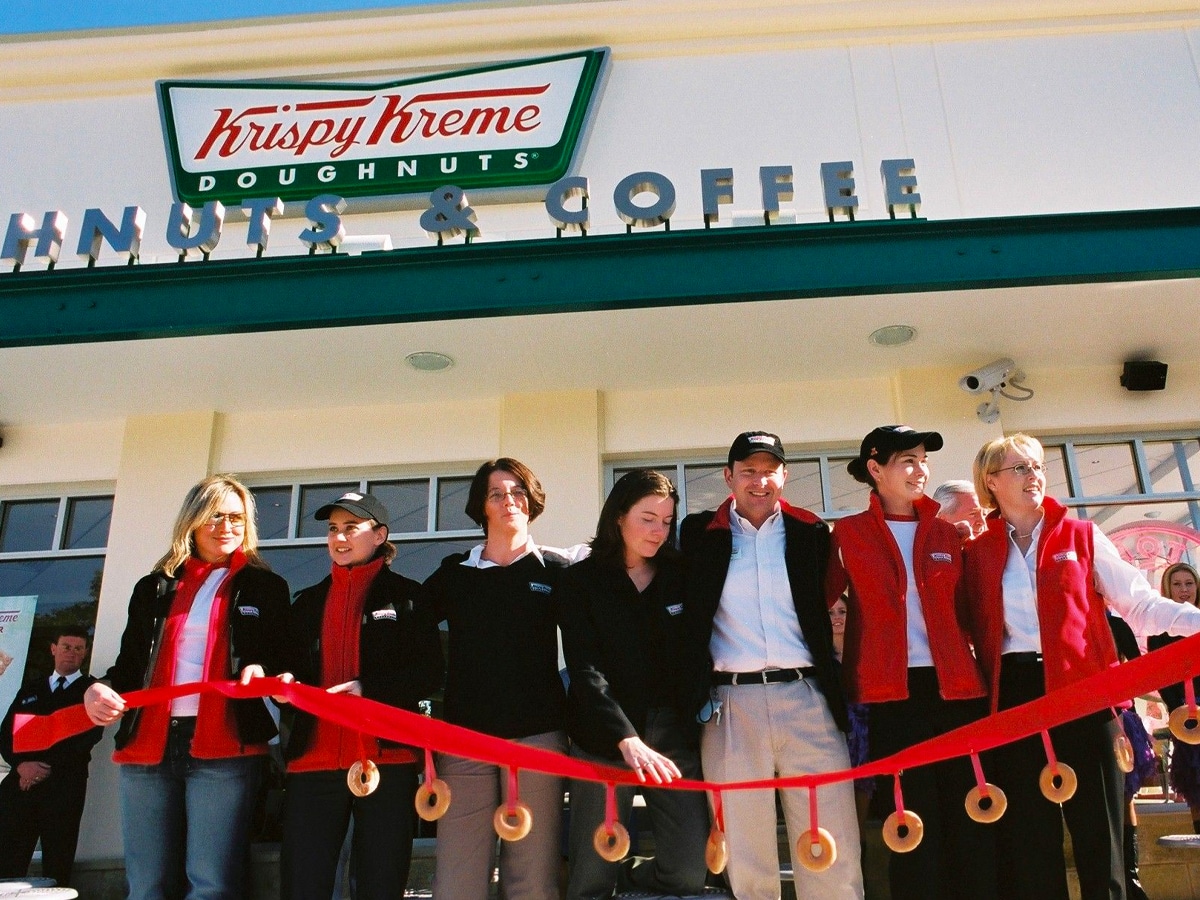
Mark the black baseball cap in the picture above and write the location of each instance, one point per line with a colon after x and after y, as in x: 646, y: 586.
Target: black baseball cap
x: 751, y: 442
x: 886, y: 440
x: 363, y: 505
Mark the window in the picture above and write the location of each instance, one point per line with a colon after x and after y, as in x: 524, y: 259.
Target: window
x: 427, y: 524
x: 53, y: 549
x: 1142, y: 490
x: 817, y: 482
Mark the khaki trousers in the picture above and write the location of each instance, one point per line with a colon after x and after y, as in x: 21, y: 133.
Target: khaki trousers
x: 780, y: 730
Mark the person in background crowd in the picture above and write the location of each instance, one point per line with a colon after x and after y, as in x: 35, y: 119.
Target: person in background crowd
x: 960, y: 507
x: 502, y: 679
x: 42, y: 796
x: 1145, y: 762
x: 356, y: 632
x: 621, y: 611
x: 908, y: 657
x: 857, y: 740
x: 1038, y: 584
x: 1179, y: 582
x: 759, y: 638
x: 209, y: 611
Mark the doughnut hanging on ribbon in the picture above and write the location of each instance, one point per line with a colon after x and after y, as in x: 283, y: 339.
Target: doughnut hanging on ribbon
x: 513, y: 819
x: 433, y: 796
x: 716, y: 849
x: 1057, y: 781
x: 363, y: 777
x: 610, y: 839
x: 815, y: 849
x: 903, y: 829
x: 1123, y: 751
x: 1185, y: 724
x: 985, y: 802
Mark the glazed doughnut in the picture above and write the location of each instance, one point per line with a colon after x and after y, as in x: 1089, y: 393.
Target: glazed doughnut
x: 819, y: 856
x: 363, y: 777
x: 716, y: 851
x: 611, y: 845
x: 996, y: 802
x: 1123, y: 751
x: 515, y: 825
x: 432, y: 800
x: 1067, y: 782
x: 914, y: 830
x: 1185, y: 725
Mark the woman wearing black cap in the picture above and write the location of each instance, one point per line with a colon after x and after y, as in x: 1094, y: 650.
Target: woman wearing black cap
x: 908, y: 656
x: 357, y: 633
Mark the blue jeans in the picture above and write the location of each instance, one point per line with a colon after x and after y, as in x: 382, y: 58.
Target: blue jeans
x: 185, y: 822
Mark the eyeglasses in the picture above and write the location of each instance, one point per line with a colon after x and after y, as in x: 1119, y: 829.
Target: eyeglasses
x: 517, y: 494
x: 237, y: 521
x: 1021, y: 470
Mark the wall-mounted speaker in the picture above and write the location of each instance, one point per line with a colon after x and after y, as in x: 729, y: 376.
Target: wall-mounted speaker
x: 1144, y: 375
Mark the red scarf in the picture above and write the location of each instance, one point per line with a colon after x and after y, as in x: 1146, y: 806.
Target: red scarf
x: 216, y: 734
x: 332, y: 746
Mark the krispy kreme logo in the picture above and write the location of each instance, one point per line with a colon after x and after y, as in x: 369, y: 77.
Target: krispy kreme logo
x: 506, y: 126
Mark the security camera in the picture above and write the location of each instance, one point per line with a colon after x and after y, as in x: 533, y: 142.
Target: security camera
x: 993, y: 376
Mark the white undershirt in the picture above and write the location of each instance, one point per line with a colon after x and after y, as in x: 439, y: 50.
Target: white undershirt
x: 192, y: 647
x: 755, y: 626
x: 905, y: 533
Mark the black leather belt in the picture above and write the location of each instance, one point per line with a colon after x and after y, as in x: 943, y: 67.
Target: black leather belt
x: 766, y: 676
x: 1029, y: 657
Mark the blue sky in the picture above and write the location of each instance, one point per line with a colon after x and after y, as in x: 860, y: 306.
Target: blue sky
x: 56, y: 15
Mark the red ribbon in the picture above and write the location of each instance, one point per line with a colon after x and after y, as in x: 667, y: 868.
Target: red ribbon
x: 1112, y: 687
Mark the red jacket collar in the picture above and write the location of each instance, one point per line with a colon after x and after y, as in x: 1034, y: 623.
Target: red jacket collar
x: 924, y: 508
x: 720, y: 519
x: 1053, y: 513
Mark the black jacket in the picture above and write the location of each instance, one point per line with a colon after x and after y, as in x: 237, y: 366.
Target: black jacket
x: 400, y: 655
x: 258, y: 606
x: 624, y: 651
x: 707, y: 543
x: 36, y: 698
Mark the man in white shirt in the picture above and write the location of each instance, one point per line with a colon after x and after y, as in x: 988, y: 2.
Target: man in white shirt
x: 761, y: 643
x: 42, y: 796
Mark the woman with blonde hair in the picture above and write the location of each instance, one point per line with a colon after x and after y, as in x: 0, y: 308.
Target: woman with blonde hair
x: 1038, y: 583
x: 209, y: 611
x: 1179, y: 582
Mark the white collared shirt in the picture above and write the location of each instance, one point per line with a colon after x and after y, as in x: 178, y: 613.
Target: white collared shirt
x: 755, y: 626
x: 572, y: 554
x: 1123, y: 587
x: 68, y: 680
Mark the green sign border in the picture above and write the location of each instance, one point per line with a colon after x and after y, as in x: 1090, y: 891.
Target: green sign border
x: 548, y: 164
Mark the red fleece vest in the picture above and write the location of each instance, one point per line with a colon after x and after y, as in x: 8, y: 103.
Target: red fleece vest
x: 875, y: 653
x: 1076, y: 639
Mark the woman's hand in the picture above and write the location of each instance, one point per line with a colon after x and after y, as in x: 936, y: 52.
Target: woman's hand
x: 256, y: 671
x: 347, y: 687
x: 646, y: 761
x: 102, y: 704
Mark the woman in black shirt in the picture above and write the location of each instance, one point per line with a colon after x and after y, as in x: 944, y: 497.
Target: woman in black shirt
x: 621, y: 613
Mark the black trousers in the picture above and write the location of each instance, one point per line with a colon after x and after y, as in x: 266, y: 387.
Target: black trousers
x: 956, y: 857
x: 317, y: 811
x: 1030, y: 834
x: 50, y: 810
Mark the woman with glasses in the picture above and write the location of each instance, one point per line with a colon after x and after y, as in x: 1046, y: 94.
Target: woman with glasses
x: 209, y: 611
x: 498, y: 603
x: 356, y: 632
x: 1038, y: 583
x: 622, y: 618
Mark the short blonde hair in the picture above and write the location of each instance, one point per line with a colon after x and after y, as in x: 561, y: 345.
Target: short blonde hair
x: 201, y: 502
x: 992, y: 454
x: 1170, y: 572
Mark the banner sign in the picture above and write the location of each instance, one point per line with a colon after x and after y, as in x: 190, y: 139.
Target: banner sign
x: 503, y: 126
x: 16, y: 627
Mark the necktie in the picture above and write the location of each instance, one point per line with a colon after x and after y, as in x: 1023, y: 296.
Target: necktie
x: 60, y: 683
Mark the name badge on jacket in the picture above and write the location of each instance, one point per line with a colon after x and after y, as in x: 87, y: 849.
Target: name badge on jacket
x: 941, y: 557
x: 538, y: 588
x: 248, y: 611
x: 387, y: 613
x: 1066, y: 556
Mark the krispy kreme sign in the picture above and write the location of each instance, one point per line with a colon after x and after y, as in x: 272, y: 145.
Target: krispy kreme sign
x: 505, y: 126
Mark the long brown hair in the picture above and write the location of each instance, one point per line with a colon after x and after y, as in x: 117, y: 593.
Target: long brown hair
x: 608, y: 545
